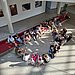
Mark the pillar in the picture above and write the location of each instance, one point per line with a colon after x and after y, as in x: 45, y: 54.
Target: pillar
x: 58, y: 7
x: 7, y: 15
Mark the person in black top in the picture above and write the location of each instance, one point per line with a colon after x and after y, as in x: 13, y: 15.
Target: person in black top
x: 51, y: 51
x: 69, y: 37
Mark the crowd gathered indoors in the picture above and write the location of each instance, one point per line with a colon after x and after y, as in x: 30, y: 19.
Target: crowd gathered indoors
x: 60, y: 37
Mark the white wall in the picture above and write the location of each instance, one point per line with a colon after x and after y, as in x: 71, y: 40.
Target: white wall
x: 2, y: 19
x: 23, y: 14
x: 54, y: 4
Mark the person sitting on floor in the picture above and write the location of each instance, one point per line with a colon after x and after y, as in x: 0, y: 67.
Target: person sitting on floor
x: 40, y: 60
x: 69, y: 37
x: 20, y: 51
x: 63, y: 31
x: 11, y: 39
x: 26, y: 56
x: 58, y: 39
x: 51, y: 51
x: 34, y: 59
x: 56, y: 47
x: 19, y: 39
x: 58, y: 23
x: 46, y: 58
x: 54, y: 33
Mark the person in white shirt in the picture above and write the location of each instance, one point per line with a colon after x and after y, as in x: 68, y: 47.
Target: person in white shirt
x: 10, y: 39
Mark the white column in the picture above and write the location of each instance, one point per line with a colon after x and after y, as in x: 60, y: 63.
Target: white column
x: 58, y: 7
x: 7, y: 15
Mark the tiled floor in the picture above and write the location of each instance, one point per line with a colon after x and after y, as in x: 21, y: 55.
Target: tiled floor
x: 62, y: 64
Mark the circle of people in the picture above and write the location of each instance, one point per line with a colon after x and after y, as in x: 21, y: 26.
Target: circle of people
x: 60, y: 37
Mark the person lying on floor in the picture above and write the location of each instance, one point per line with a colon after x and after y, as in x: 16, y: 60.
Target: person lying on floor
x: 37, y: 31
x: 33, y: 34
x: 41, y: 29
x: 50, y: 24
x: 11, y: 40
x: 27, y: 37
x: 45, y: 25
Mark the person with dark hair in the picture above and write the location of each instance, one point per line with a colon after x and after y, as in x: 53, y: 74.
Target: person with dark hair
x: 58, y: 39
x: 51, y: 51
x: 56, y: 47
x: 19, y: 39
x: 66, y: 16
x: 37, y: 32
x: 50, y: 24
x: 69, y: 37
x: 65, y: 7
x: 33, y: 34
x: 54, y: 33
x: 27, y: 36
x: 46, y: 58
x: 63, y: 31
x: 19, y: 51
x: 11, y: 39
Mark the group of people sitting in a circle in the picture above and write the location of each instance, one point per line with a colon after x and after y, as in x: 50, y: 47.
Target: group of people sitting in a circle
x: 59, y: 38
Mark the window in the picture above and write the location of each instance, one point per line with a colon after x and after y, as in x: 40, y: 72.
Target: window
x: 38, y: 4
x: 26, y: 6
x: 13, y: 9
x: 1, y: 13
